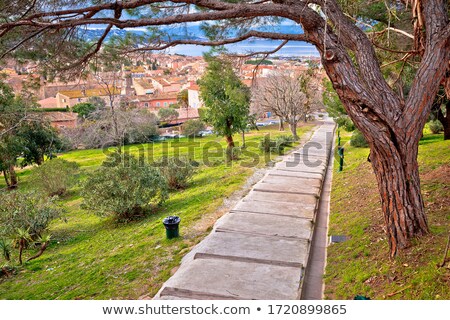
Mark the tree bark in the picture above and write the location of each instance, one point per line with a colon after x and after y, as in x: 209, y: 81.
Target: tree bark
x: 40, y: 252
x: 281, y: 127
x: 293, y: 127
x: 445, y: 120
x: 13, y: 182
x: 5, y: 175
x: 21, y: 247
x: 397, y: 174
x: 230, y: 146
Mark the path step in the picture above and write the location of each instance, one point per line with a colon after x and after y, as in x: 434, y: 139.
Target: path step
x: 296, y: 210
x: 265, y: 225
x: 254, y: 248
x: 214, y: 279
x: 260, y: 249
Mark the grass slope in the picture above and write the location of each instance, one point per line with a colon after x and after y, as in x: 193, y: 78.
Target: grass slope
x: 94, y: 258
x: 361, y: 265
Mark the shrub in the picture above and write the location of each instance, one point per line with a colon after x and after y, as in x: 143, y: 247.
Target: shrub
x: 435, y: 126
x: 282, y: 142
x: 346, y: 123
x: 28, y: 211
x: 265, y: 144
x: 125, y: 187
x: 233, y: 153
x: 84, y: 109
x: 358, y: 140
x: 55, y: 177
x: 178, y: 171
x: 192, y: 128
x: 5, y: 249
x: 278, y: 145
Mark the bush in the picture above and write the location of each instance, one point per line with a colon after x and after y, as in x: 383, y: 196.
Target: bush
x: 177, y: 171
x: 358, y: 140
x: 233, y: 153
x: 84, y: 109
x: 282, y: 142
x: 435, y: 126
x: 346, y: 123
x: 125, y: 187
x: 265, y: 144
x: 55, y: 176
x: 278, y: 145
x: 28, y: 211
x: 192, y: 128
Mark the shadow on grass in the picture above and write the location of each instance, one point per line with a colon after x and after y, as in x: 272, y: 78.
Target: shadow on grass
x: 431, y: 138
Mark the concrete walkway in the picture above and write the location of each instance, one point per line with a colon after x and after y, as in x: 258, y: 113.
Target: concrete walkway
x: 261, y: 248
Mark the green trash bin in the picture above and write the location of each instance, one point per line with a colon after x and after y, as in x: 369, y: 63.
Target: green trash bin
x: 171, y: 223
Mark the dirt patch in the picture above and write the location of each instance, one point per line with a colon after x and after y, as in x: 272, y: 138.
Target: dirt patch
x: 441, y: 174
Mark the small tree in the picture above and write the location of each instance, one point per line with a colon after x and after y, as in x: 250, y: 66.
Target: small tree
x: 286, y: 96
x: 84, y: 109
x: 55, y: 176
x: 39, y: 139
x: 27, y: 211
x: 226, y: 100
x: 22, y: 135
x: 124, y: 186
x: 192, y: 128
x: 183, y: 98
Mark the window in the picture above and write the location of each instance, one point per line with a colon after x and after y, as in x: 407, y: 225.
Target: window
x: 158, y: 104
x: 165, y: 104
x: 146, y: 104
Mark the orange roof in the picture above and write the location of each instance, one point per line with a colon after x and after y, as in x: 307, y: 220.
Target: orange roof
x: 60, y: 116
x: 194, y: 87
x: 187, y: 113
x: 48, y: 103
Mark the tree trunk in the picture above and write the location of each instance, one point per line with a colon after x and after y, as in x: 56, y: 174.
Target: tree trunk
x: 397, y: 174
x: 12, y: 178
x: 293, y: 127
x: 445, y: 120
x: 230, y: 146
x: 243, y: 139
x: 40, y: 160
x: 40, y: 252
x: 281, y: 128
x: 21, y: 247
x: 230, y: 142
x: 5, y: 175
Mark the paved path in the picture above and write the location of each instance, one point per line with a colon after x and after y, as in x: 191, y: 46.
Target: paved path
x: 260, y: 249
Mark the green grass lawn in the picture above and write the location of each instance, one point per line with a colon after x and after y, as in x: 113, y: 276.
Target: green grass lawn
x: 361, y: 265
x: 96, y: 258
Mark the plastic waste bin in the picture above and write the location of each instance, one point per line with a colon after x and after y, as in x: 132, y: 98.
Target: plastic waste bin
x: 171, y: 224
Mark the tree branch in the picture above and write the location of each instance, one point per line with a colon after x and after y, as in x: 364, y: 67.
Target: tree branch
x: 248, y: 35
